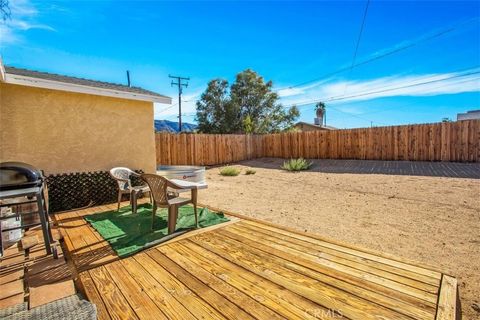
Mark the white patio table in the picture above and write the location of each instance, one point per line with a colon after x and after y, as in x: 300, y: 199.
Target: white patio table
x: 185, y: 186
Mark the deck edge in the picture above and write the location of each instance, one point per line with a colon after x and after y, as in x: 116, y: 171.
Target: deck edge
x: 192, y: 233
x: 333, y: 241
x: 447, y: 299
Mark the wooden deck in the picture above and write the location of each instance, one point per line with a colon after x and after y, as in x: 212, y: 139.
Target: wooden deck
x: 32, y: 277
x: 247, y: 269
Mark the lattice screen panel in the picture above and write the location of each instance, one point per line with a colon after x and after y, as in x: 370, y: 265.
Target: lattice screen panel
x: 75, y: 190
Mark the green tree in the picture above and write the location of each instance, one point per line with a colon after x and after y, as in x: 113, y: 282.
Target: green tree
x: 320, y: 108
x: 248, y: 124
x: 250, y: 106
x: 214, y: 110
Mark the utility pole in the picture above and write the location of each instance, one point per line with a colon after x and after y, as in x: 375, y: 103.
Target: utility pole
x: 128, y: 78
x: 180, y: 89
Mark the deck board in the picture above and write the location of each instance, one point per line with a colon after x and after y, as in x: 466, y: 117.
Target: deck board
x: 87, y: 248
x: 93, y: 294
x: 191, y: 301
x: 317, y: 255
x: 249, y: 269
x: 448, y: 299
x: 168, y: 304
x: 285, y: 303
x: 354, y: 284
x: 115, y: 301
x: 274, y: 270
x: 231, y: 293
x: 354, y: 252
x: 361, y: 263
x: 223, y: 306
x: 139, y: 301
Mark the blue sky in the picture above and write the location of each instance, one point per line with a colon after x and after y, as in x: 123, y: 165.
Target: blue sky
x: 290, y: 43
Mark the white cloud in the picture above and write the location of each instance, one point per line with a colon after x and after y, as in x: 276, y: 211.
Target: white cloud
x: 457, y: 27
x: 7, y: 35
x: 194, y: 96
x: 339, y: 87
x: 351, y: 90
x: 23, y: 8
x: 16, y: 24
x: 23, y: 18
x: 350, y: 109
x: 391, y: 86
x: 288, y: 92
x: 189, y: 101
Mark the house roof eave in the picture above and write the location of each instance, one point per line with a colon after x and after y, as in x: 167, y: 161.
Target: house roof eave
x: 12, y: 78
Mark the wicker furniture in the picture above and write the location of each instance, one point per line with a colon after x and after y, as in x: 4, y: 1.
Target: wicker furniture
x: 159, y: 190
x: 122, y: 176
x: 70, y: 308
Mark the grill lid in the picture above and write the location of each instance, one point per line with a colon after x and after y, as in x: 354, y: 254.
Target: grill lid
x: 19, y: 175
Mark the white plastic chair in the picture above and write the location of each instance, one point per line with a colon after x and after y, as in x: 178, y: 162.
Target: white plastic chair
x: 122, y: 177
x: 159, y: 190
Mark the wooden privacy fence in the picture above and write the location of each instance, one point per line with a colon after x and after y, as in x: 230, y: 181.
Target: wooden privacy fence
x: 450, y: 141
x: 206, y: 149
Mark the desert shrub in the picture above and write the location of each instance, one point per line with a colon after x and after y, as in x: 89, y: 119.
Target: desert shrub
x: 296, y: 164
x: 250, y: 171
x: 230, y: 171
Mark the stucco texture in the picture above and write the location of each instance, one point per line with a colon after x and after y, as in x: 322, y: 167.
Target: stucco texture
x: 60, y: 132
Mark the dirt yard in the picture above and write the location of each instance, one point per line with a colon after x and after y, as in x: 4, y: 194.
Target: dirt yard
x: 434, y: 220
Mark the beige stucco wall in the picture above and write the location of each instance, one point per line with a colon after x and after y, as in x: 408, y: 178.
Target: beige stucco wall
x: 60, y: 131
x: 304, y: 128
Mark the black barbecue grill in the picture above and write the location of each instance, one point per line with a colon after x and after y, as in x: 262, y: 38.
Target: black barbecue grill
x: 21, y: 180
x: 19, y: 175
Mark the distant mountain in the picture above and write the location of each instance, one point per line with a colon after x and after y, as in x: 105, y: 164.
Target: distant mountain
x: 171, y: 126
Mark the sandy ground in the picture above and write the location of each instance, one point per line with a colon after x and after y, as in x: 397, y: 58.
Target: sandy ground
x: 428, y: 219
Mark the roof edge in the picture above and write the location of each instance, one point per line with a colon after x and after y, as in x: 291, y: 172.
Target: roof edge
x: 316, y: 125
x: 12, y: 78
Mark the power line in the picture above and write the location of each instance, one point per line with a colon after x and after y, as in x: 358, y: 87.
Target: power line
x: 171, y: 117
x: 401, y: 87
x: 360, y: 116
x: 389, y: 88
x: 360, y: 34
x: 173, y: 105
x: 186, y: 114
x: 358, y: 43
x: 441, y: 33
x: 413, y: 104
x: 380, y: 90
x: 426, y: 78
x: 168, y: 108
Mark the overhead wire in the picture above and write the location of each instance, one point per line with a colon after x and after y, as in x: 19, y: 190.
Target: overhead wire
x: 168, y: 108
x: 359, y: 39
x: 376, y: 57
x: 401, y: 87
x: 408, y: 45
x: 390, y: 88
x: 385, y: 89
x: 413, y: 104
